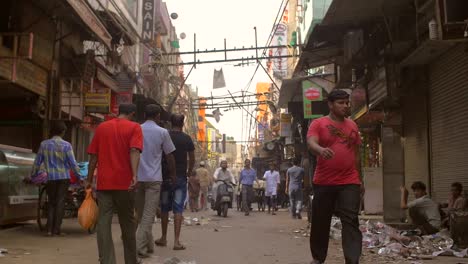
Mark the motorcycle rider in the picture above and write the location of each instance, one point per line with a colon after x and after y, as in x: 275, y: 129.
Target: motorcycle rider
x: 221, y: 174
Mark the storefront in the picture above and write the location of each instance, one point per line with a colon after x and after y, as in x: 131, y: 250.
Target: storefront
x: 448, y: 78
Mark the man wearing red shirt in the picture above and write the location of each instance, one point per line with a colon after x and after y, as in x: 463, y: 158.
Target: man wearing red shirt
x: 335, y: 141
x: 115, y: 149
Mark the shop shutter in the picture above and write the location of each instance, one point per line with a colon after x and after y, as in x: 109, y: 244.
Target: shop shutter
x: 449, y: 121
x: 415, y: 138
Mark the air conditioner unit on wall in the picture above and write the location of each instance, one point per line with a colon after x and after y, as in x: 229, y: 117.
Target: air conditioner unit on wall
x: 453, y: 19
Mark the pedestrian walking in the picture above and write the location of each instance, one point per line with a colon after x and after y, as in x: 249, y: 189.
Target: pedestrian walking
x: 194, y: 192
x: 335, y: 140
x: 57, y: 156
x: 272, y: 179
x: 174, y: 192
x: 116, y: 148
x: 294, y: 180
x: 247, y: 178
x: 206, y: 180
x: 156, y: 143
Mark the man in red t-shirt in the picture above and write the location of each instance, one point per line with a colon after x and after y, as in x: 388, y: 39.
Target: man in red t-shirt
x: 116, y: 148
x: 335, y: 141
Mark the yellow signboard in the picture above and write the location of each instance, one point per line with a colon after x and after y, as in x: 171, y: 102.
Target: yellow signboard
x: 98, y: 102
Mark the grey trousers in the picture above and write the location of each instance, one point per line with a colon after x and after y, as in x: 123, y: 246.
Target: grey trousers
x: 147, y: 201
x: 295, y: 201
x: 247, y: 196
x: 124, y: 203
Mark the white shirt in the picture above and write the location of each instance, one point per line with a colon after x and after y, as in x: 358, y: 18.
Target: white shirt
x: 156, y: 141
x: 272, y: 180
x: 224, y: 175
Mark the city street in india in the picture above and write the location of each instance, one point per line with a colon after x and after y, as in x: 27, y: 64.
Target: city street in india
x: 259, y: 238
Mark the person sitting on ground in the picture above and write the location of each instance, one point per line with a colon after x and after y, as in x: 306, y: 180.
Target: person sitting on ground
x: 423, y: 212
x: 456, y: 202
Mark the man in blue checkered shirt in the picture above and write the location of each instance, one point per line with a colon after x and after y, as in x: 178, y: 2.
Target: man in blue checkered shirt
x: 57, y: 156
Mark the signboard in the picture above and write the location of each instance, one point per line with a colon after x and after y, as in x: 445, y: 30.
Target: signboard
x: 280, y: 38
x: 285, y: 125
x: 310, y: 93
x: 262, y: 126
x: 97, y: 102
x: 120, y: 98
x: 148, y: 20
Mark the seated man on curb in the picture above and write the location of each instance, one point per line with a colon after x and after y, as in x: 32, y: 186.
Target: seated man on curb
x: 423, y: 211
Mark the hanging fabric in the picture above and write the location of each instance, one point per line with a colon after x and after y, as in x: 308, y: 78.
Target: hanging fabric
x: 218, y: 79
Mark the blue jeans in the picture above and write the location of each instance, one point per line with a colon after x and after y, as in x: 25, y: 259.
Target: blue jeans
x: 173, y: 196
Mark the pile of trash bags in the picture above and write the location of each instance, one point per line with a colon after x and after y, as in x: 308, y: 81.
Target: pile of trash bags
x: 389, y: 241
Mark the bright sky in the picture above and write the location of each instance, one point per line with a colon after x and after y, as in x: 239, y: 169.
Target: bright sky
x: 212, y: 21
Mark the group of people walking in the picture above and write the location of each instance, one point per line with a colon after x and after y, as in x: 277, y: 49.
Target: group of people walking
x: 140, y: 169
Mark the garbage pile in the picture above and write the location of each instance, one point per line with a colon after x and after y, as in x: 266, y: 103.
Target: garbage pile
x: 189, y: 221
x: 175, y: 260
x: 388, y: 241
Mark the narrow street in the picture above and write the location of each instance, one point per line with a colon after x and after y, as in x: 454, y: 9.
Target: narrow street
x: 256, y: 239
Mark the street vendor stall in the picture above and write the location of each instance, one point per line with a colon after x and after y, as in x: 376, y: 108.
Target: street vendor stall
x: 18, y: 201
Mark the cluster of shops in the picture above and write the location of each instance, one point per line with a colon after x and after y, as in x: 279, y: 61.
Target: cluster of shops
x: 77, y: 61
x: 405, y: 65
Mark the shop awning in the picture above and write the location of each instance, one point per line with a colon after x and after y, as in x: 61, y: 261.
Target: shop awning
x: 91, y: 20
x: 342, y: 16
x: 107, y: 80
x: 291, y: 89
x: 311, y: 58
x: 345, y: 12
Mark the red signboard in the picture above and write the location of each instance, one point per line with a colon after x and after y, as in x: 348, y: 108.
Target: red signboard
x: 118, y: 98
x: 312, y: 93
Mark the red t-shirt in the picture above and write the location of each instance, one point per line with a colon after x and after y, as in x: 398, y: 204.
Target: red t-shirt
x: 112, y: 142
x: 343, y: 139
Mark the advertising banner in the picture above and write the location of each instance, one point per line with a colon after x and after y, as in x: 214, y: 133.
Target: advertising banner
x: 310, y: 93
x: 280, y: 38
x: 285, y: 125
x: 120, y: 98
x: 148, y: 21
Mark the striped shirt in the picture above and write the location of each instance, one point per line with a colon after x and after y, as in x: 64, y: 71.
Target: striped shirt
x: 57, y: 156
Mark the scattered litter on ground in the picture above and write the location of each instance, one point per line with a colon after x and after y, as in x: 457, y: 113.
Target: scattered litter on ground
x: 175, y: 260
x: 216, y: 230
x: 390, y: 242
x: 3, y: 251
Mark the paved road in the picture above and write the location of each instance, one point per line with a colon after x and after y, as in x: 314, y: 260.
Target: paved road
x: 256, y: 239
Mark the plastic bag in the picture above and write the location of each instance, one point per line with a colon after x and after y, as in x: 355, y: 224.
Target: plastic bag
x: 88, y: 212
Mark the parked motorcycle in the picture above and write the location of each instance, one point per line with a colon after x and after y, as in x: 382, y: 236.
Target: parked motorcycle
x: 223, y: 199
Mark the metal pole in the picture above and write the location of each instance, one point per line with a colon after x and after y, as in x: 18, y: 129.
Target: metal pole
x: 195, y: 50
x: 256, y: 43
x: 225, y: 52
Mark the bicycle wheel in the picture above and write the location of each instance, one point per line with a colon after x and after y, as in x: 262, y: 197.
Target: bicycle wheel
x: 42, y: 209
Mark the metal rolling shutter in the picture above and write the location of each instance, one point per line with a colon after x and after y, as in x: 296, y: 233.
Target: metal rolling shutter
x: 416, y: 142
x: 449, y: 121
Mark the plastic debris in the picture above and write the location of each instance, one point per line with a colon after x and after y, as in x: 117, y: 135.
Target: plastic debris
x: 175, y: 260
x: 388, y: 241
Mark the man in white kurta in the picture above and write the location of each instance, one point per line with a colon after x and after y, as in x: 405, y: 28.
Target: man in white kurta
x: 272, y: 179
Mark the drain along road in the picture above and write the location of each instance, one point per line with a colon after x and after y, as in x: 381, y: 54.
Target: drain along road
x: 256, y: 239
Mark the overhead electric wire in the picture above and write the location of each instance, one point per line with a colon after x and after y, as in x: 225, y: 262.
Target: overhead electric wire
x: 269, y: 40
